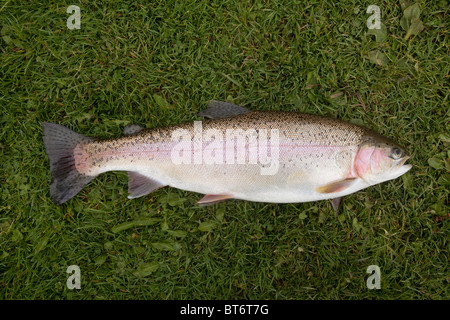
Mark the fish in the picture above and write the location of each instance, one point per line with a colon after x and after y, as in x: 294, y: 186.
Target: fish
x: 233, y: 153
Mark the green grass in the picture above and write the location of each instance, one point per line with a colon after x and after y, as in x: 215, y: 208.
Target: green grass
x: 160, y: 63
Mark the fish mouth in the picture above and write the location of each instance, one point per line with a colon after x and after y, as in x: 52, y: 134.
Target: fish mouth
x: 402, y: 161
x: 400, y: 167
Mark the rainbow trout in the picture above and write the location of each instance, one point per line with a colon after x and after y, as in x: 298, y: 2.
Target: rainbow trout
x: 262, y: 156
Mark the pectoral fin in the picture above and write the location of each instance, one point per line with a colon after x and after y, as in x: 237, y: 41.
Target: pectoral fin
x: 220, y: 109
x: 337, y: 186
x: 210, y: 199
x: 140, y: 185
x: 335, y: 203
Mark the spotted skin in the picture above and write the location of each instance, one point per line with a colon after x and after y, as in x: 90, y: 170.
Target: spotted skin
x: 313, y: 155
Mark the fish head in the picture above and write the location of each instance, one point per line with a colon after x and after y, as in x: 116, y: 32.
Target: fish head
x: 379, y: 159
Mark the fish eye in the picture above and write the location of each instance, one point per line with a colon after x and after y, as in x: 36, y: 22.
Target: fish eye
x: 396, y: 153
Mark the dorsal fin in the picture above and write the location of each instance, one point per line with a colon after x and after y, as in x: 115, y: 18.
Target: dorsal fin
x: 132, y: 129
x: 221, y: 109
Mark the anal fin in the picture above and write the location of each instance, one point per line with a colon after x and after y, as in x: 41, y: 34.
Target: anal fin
x: 337, y: 186
x: 210, y: 199
x: 140, y: 185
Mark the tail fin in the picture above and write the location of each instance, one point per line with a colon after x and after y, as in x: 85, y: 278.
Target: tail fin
x: 60, y: 143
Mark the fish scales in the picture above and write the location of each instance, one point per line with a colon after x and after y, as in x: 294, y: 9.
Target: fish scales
x: 314, y: 157
x: 296, y: 132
